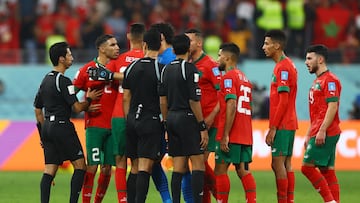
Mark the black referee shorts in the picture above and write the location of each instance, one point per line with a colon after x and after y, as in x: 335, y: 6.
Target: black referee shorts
x: 184, y: 134
x: 143, y: 136
x: 60, y: 142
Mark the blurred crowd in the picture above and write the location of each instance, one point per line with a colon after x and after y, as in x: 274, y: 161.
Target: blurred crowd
x: 27, y: 27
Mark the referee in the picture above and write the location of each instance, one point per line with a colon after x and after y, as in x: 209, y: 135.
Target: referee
x: 142, y: 109
x: 56, y: 96
x: 180, y: 102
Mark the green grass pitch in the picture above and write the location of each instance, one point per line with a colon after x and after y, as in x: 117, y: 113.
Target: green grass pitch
x: 20, y: 187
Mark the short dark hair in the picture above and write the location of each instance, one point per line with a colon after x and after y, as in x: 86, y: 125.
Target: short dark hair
x: 166, y: 29
x: 56, y: 51
x: 102, y: 39
x: 194, y: 31
x: 137, y: 31
x: 319, y: 49
x: 181, y: 44
x: 231, y: 48
x: 153, y: 39
x: 278, y: 36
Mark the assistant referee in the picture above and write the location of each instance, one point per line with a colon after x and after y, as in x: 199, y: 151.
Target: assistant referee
x: 56, y: 96
x: 180, y: 102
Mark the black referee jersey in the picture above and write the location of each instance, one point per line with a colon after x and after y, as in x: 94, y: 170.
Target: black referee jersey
x: 179, y: 82
x: 142, y: 78
x: 56, y: 95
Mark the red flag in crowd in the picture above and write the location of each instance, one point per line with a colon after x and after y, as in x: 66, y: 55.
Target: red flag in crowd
x: 330, y: 26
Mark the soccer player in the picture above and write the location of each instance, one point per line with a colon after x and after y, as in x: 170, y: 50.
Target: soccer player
x: 234, y: 140
x: 59, y: 139
x: 187, y: 131
x: 135, y: 37
x: 324, y: 130
x: 166, y: 55
x: 282, y: 114
x: 99, y: 146
x: 209, y: 85
x: 144, y: 128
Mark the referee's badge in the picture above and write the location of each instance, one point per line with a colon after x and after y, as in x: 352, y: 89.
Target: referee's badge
x: 71, y: 89
x: 196, y: 77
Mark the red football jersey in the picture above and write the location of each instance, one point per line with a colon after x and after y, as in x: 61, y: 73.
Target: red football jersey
x: 284, y: 79
x: 235, y: 85
x: 325, y: 88
x: 120, y: 65
x: 102, y: 118
x: 208, y: 83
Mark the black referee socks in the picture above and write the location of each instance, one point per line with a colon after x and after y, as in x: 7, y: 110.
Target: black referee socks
x: 197, y: 184
x: 142, y: 186
x: 131, y: 187
x: 45, y: 185
x: 77, y: 181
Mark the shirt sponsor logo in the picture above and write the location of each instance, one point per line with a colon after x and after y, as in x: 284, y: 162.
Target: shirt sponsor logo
x: 284, y: 75
x: 331, y: 86
x: 228, y: 83
x: 216, y: 71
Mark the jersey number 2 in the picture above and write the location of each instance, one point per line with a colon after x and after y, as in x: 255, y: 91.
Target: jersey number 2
x: 245, y: 98
x: 95, y: 154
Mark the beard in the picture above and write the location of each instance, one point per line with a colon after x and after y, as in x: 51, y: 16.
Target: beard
x: 314, y: 69
x: 222, y: 67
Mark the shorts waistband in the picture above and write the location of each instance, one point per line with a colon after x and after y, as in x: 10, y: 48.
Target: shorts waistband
x: 55, y: 118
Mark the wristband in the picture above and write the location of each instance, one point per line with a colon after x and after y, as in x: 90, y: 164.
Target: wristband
x: 89, y: 100
x: 202, y: 126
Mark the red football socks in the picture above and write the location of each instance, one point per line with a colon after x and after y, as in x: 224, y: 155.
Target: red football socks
x: 222, y: 188
x: 103, y: 183
x: 291, y: 187
x: 209, y: 183
x: 282, y: 188
x: 120, y: 183
x: 333, y: 183
x: 318, y: 181
x: 249, y: 185
x: 87, y: 187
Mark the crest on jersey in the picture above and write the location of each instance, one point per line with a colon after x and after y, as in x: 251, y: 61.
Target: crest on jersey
x: 273, y: 78
x: 331, y: 86
x: 284, y: 75
x: 317, y: 86
x: 216, y: 71
x: 228, y: 83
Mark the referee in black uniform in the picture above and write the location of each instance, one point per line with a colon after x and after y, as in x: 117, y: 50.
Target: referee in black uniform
x: 142, y: 112
x: 56, y: 96
x: 180, y: 102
